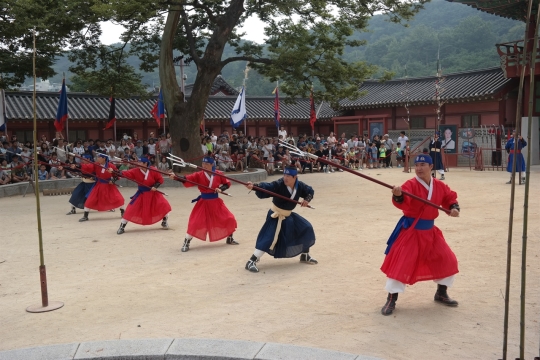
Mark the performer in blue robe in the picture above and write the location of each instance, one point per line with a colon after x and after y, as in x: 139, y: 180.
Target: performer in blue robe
x: 81, y: 192
x: 284, y: 234
x: 511, y: 150
x: 435, y: 153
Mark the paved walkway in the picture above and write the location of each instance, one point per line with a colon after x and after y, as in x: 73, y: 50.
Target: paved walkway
x: 170, y: 349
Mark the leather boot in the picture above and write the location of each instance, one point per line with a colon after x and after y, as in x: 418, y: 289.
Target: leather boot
x: 121, y: 230
x: 442, y: 297
x: 85, y: 217
x: 185, y: 247
x: 390, y: 305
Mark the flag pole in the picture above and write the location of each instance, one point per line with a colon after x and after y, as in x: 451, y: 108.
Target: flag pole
x: 67, y: 118
x: 3, y: 110
x: 45, y: 304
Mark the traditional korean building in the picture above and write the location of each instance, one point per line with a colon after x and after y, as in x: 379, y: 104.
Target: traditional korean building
x: 88, y: 114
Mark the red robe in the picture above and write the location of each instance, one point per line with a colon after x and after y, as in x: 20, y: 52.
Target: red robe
x: 148, y: 207
x: 210, y: 217
x: 420, y: 255
x: 104, y: 196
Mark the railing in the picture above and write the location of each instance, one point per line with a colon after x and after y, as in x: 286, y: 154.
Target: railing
x: 511, y: 54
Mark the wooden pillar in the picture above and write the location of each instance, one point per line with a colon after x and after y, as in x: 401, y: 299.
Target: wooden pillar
x: 257, y: 128
x: 51, y: 130
x: 502, y: 111
x: 443, y: 114
x: 100, y: 129
x: 144, y: 130
x: 222, y: 126
x: 393, y: 118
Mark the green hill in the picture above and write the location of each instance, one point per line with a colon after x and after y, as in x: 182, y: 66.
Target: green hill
x: 465, y: 36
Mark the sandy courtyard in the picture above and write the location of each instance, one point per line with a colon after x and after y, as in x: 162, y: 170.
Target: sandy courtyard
x: 140, y: 285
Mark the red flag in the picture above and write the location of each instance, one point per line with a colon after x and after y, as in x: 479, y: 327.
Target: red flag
x: 158, y: 111
x: 312, y: 113
x: 276, y: 107
x: 112, y: 114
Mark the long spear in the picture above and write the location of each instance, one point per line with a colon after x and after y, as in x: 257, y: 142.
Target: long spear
x: 117, y: 173
x: 168, y: 174
x: 294, y: 150
x: 178, y: 161
x: 65, y: 165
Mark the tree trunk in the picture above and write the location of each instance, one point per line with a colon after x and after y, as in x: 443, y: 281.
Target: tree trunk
x: 185, y: 117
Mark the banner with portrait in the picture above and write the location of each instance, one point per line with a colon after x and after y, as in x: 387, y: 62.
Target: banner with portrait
x: 448, y: 138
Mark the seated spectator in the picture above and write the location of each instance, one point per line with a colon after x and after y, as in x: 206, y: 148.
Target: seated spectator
x: 55, y: 173
x: 224, y: 161
x: 26, y: 155
x: 5, y: 176
x: 18, y: 170
x: 43, y: 174
x: 255, y: 161
x: 238, y: 161
x: 164, y: 165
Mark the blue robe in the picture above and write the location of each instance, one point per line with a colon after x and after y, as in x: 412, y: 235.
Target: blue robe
x: 436, y: 155
x: 296, y: 235
x: 520, y: 165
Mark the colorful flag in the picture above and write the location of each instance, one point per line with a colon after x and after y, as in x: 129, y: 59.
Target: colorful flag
x: 2, y: 110
x: 62, y: 113
x: 312, y: 113
x: 276, y: 107
x: 112, y: 114
x: 239, y: 113
x: 158, y: 111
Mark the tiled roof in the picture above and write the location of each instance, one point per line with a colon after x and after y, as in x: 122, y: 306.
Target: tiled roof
x: 456, y: 87
x: 93, y: 107
x: 515, y: 9
x: 220, y: 86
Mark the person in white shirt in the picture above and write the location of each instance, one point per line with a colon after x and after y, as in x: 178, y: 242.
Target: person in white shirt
x: 282, y: 132
x: 402, y: 138
x: 224, y: 161
x: 214, y: 139
x: 109, y: 146
x: 331, y: 140
x: 78, y: 150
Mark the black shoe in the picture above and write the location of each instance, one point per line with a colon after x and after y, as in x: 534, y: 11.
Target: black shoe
x: 390, y: 305
x: 231, y: 241
x: 250, y: 265
x: 442, y: 177
x: 72, y: 211
x: 185, y: 248
x: 164, y: 223
x: 121, y: 230
x: 85, y: 217
x: 306, y: 258
x: 442, y: 297
x: 121, y: 212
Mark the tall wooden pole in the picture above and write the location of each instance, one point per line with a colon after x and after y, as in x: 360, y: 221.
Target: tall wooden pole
x: 526, y: 199
x: 523, y: 62
x: 45, y: 304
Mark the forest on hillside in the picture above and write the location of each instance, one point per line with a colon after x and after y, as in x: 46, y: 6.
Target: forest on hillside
x: 463, y: 37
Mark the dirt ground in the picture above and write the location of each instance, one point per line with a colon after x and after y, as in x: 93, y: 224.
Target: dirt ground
x: 140, y: 285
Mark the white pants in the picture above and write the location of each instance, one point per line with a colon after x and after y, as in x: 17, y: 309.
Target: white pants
x: 394, y: 286
x: 441, y: 171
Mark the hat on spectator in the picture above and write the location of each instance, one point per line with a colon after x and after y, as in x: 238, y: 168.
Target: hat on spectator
x: 386, y: 135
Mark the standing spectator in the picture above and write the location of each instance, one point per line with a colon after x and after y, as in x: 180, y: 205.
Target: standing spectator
x: 270, y: 164
x: 203, y: 146
x: 138, y: 149
x: 331, y: 140
x: 389, y: 144
x: 151, y: 148
x: 382, y: 154
x: 282, y: 132
x: 399, y: 155
x: 26, y: 154
x: 61, y: 150
x: 213, y: 138
x: 402, y: 137
x: 55, y: 164
x: 373, y: 155
x: 291, y: 138
x: 78, y: 150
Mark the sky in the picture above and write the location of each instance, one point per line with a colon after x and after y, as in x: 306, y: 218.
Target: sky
x: 253, y: 27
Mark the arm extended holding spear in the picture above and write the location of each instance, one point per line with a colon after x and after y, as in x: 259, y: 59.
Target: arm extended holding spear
x: 296, y: 151
x: 178, y: 161
x: 178, y: 178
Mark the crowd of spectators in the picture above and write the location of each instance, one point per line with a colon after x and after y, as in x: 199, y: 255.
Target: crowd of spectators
x: 16, y: 158
x: 232, y: 152
x: 238, y: 152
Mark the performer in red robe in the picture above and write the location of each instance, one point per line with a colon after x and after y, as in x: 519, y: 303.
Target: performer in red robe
x: 104, y: 196
x: 209, y: 217
x: 147, y: 206
x: 417, y: 250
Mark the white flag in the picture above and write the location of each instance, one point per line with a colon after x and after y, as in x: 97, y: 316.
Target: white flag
x: 239, y: 113
x: 2, y: 110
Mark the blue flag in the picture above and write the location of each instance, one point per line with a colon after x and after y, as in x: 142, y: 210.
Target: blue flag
x: 62, y: 113
x: 239, y: 113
